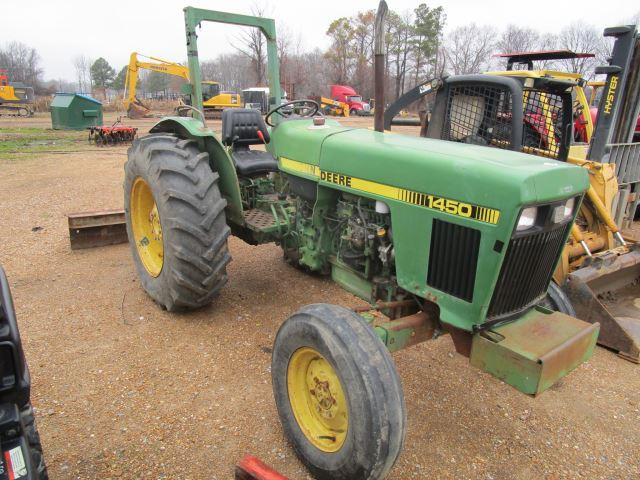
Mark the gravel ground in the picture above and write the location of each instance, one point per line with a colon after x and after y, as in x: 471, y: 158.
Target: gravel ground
x: 125, y: 390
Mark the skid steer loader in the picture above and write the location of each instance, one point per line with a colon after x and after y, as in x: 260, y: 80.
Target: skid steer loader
x: 598, y: 273
x: 437, y: 237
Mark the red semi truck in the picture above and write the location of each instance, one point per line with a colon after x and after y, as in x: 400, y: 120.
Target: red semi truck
x: 348, y: 95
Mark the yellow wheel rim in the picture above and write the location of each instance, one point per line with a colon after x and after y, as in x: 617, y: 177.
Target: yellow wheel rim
x: 317, y: 399
x: 146, y: 226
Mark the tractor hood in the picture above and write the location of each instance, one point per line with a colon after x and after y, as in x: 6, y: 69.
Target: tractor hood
x: 476, y: 187
x: 468, y: 173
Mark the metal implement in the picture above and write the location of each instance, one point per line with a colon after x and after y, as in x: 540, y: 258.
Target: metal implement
x: 113, y: 135
x: 534, y: 352
x: 605, y: 290
x: 251, y: 468
x: 96, y: 229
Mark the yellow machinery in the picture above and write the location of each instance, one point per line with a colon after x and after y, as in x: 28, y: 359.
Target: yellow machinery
x: 598, y: 275
x: 334, y: 107
x: 599, y: 270
x: 214, y: 100
x: 15, y: 99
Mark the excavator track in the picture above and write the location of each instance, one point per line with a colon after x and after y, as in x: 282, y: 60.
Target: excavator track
x: 17, y: 110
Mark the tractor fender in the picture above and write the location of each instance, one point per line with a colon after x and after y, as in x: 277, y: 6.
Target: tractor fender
x: 219, y: 159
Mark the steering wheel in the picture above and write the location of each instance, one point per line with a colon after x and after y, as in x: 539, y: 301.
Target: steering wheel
x: 300, y: 108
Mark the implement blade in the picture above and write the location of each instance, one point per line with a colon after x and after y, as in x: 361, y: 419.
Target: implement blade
x: 606, y: 290
x: 534, y: 351
x: 97, y: 229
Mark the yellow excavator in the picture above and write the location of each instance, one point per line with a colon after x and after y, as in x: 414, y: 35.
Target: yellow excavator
x: 214, y: 99
x: 15, y: 99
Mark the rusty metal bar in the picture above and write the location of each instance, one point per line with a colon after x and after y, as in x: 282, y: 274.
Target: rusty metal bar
x: 96, y: 229
x: 407, y: 331
x: 251, y: 468
x: 384, y: 305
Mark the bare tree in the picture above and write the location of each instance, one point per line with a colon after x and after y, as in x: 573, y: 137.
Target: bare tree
x: 22, y: 63
x: 468, y: 48
x: 518, y: 39
x: 580, y: 38
x: 290, y: 50
x: 252, y: 46
x: 82, y: 65
x: 232, y: 70
x: 313, y: 81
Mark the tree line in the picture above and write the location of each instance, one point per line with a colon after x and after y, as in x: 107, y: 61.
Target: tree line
x: 418, y: 47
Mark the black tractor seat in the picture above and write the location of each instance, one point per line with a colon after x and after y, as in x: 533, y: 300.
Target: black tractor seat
x: 240, y: 127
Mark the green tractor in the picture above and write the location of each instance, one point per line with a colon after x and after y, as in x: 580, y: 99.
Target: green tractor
x: 438, y: 237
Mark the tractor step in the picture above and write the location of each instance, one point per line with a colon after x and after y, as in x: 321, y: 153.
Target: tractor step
x: 537, y: 350
x: 262, y: 221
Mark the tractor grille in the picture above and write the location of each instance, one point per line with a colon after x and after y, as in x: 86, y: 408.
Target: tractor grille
x: 527, y: 270
x: 453, y: 259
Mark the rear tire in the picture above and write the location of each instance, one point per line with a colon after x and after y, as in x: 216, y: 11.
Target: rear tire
x: 186, y: 268
x: 357, y: 380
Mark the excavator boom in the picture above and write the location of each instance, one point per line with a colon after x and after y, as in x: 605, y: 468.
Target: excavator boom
x: 136, y: 108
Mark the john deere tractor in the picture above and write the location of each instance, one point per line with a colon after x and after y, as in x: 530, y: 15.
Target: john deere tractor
x: 437, y: 237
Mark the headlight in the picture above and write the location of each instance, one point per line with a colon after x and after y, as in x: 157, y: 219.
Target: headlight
x: 564, y: 212
x: 527, y: 218
x: 568, y: 207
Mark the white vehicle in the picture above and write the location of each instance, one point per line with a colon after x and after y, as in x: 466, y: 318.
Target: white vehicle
x: 258, y: 98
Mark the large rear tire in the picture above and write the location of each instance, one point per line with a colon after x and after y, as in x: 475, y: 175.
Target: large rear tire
x: 338, y: 394
x: 175, y: 221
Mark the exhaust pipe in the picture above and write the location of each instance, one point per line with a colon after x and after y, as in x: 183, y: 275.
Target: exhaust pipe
x: 379, y: 65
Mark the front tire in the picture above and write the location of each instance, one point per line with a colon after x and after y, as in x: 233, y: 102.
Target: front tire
x: 558, y: 301
x: 338, y: 394
x: 175, y: 221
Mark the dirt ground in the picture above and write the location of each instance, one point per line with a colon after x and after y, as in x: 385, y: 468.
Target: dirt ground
x: 125, y: 390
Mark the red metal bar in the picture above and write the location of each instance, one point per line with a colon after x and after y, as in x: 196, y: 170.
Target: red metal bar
x: 250, y: 468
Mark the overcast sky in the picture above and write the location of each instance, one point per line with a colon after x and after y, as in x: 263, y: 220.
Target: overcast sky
x: 61, y: 30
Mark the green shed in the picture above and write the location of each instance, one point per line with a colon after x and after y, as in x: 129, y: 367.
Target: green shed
x: 73, y: 111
